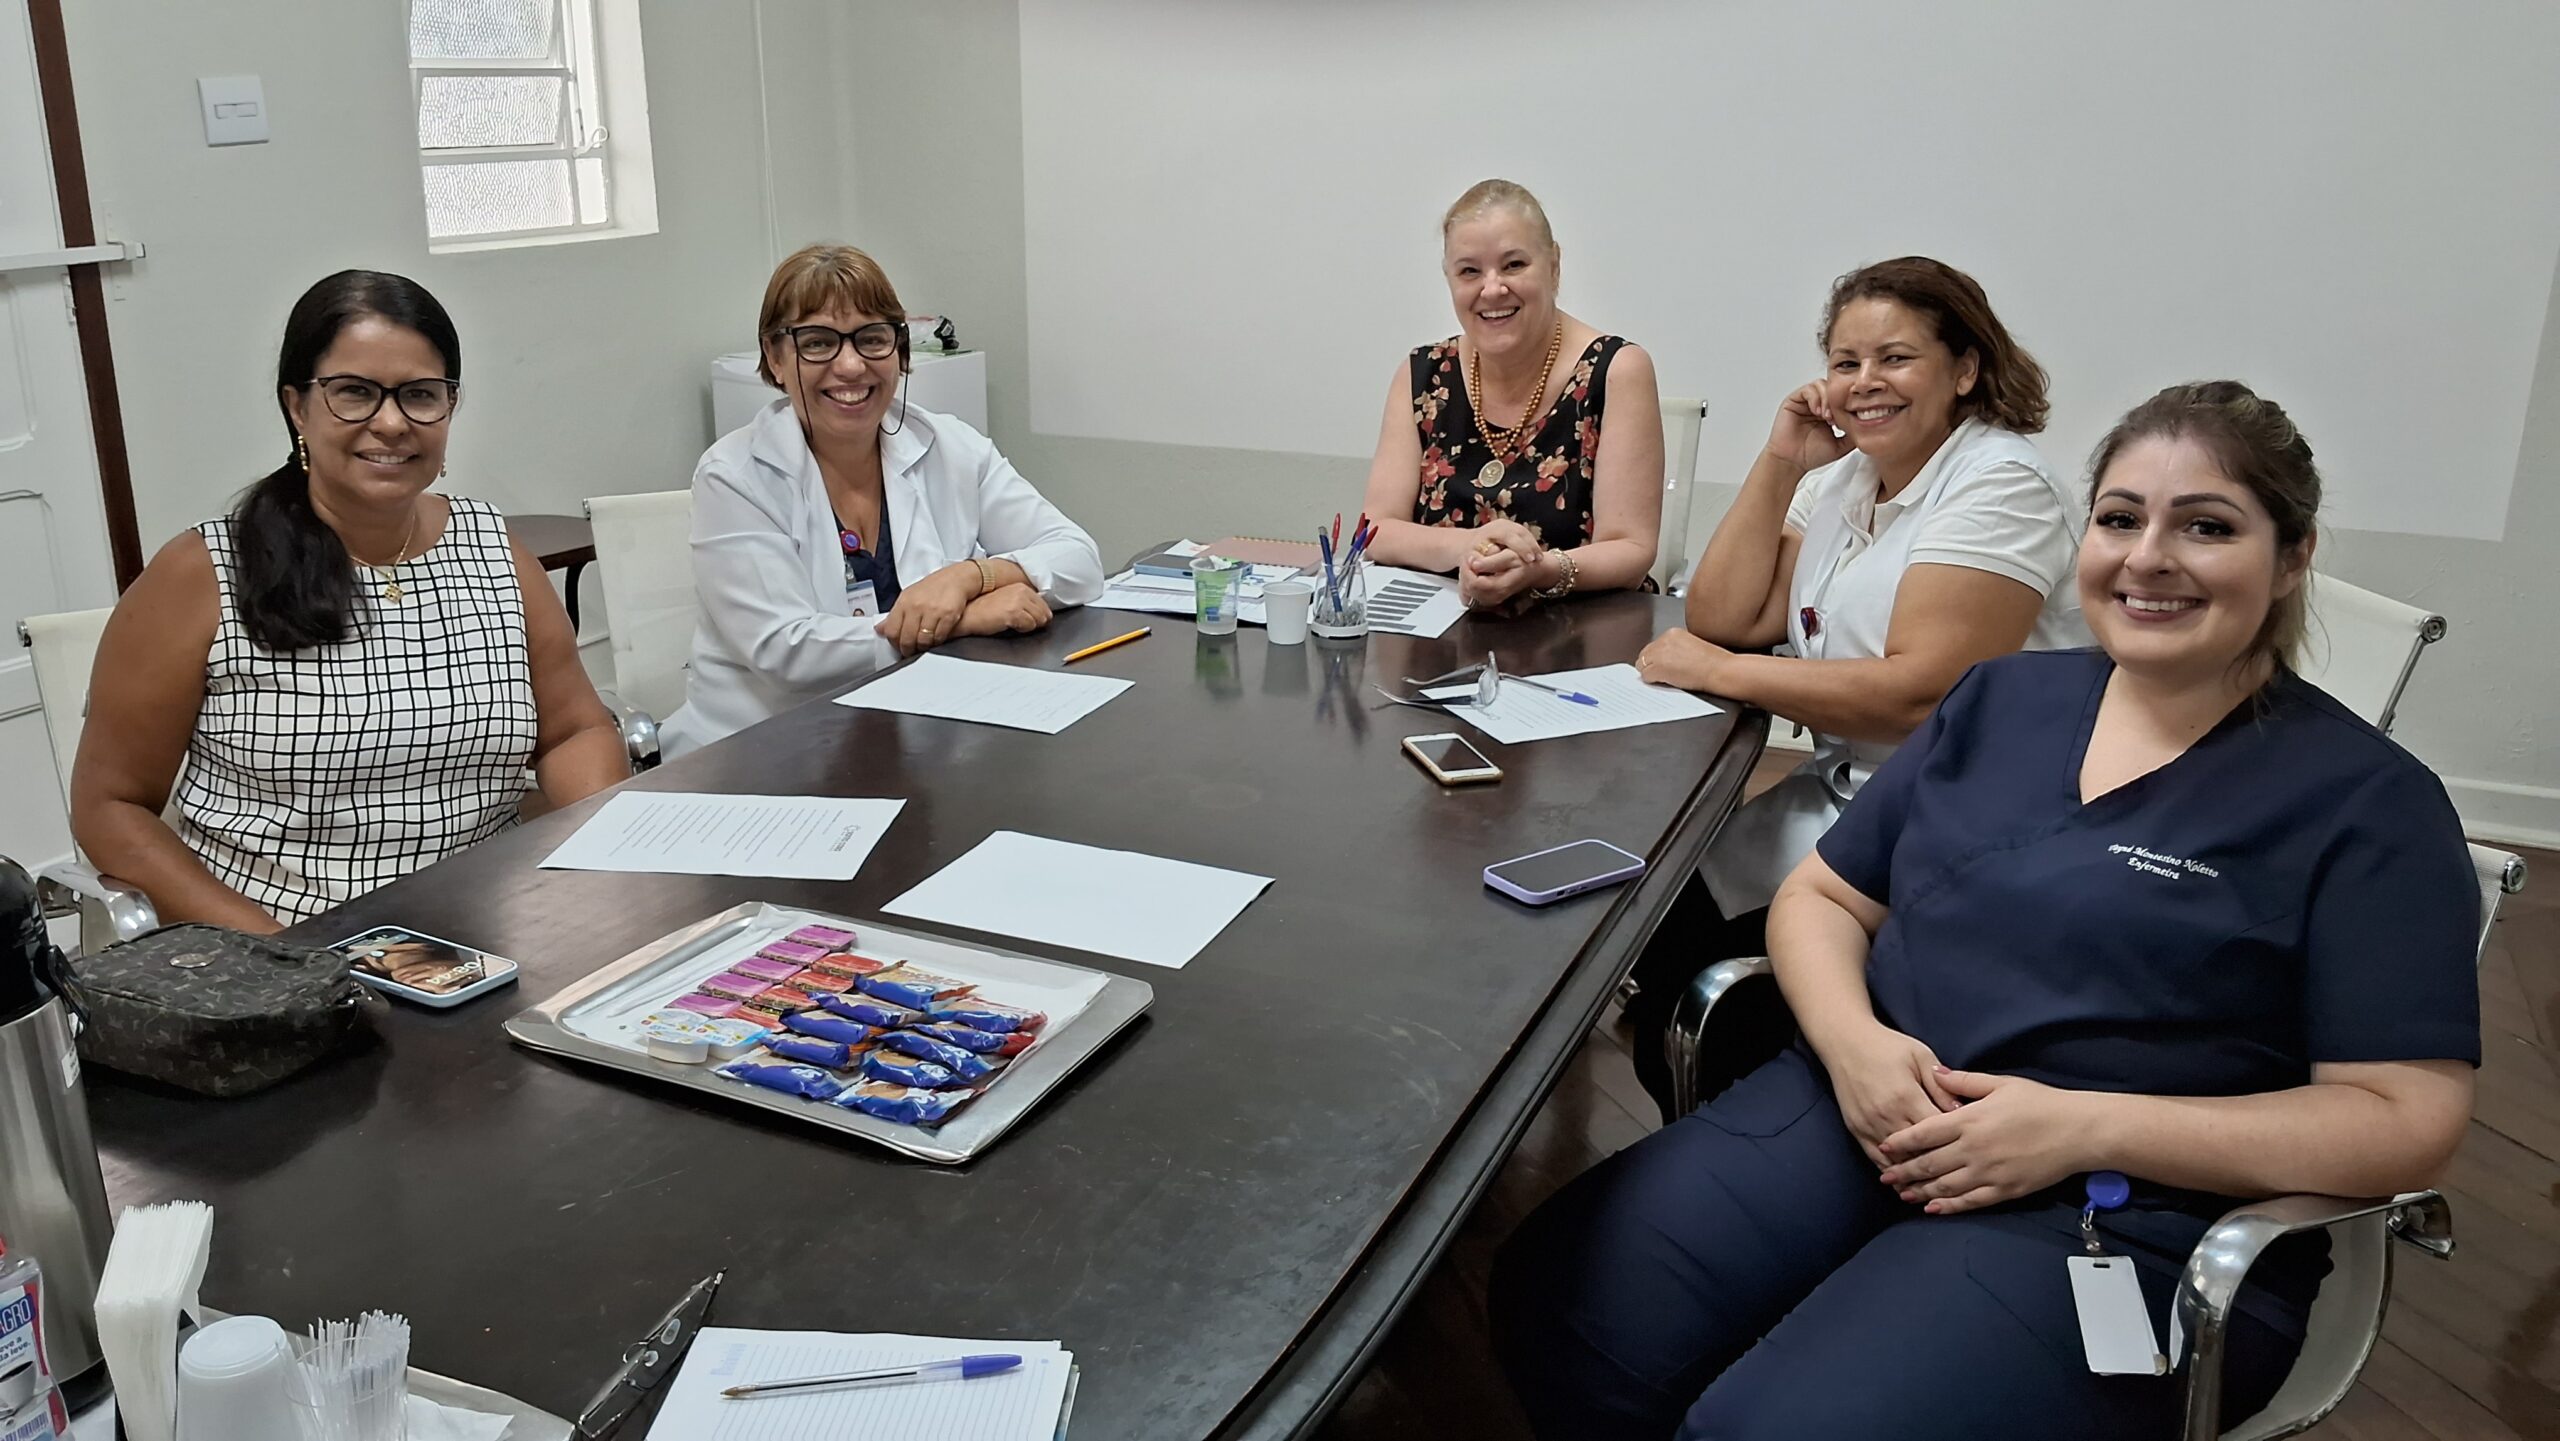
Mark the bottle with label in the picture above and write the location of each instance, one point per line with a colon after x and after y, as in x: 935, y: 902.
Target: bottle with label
x: 30, y: 1409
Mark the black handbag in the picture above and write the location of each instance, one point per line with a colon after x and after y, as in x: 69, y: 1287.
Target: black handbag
x: 216, y: 1011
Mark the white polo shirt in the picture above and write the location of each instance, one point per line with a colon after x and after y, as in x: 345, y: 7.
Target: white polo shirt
x: 1986, y: 501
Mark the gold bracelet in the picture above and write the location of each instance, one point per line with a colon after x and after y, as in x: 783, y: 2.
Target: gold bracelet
x: 1564, y: 587
x: 986, y: 574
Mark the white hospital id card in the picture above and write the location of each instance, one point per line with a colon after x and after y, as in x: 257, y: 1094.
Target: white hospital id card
x: 2115, y: 1329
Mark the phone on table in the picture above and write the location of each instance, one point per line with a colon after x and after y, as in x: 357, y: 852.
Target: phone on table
x: 1551, y: 875
x: 1451, y: 761
x: 423, y: 968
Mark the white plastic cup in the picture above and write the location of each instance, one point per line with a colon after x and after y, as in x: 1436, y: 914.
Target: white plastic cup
x: 231, y: 1379
x: 1285, y: 604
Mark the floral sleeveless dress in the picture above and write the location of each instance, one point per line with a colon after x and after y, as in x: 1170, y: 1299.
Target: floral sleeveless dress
x: 1547, y: 486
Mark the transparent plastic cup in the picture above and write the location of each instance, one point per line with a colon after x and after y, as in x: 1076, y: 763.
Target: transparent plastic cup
x: 1214, y: 593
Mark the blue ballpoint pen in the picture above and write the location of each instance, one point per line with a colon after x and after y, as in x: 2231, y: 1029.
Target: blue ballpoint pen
x: 1575, y: 696
x: 1324, y: 547
x: 958, y: 1368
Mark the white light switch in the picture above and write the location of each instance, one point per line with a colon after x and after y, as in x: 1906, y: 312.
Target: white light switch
x: 235, y: 109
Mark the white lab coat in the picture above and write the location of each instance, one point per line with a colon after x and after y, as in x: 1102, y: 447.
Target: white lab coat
x: 776, y: 629
x: 1986, y: 501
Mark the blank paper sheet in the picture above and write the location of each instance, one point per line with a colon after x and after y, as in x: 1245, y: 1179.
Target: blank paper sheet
x: 1116, y: 903
x: 1047, y: 701
x: 1019, y: 1405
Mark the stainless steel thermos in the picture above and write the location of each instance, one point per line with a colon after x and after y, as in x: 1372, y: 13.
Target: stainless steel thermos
x: 53, y: 1201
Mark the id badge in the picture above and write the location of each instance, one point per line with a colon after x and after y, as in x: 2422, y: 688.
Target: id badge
x: 2115, y: 1328
x: 862, y: 598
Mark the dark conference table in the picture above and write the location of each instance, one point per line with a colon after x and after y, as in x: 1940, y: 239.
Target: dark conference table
x: 1220, y: 1213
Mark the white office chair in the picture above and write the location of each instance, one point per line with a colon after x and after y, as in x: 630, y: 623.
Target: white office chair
x: 644, y: 553
x: 1682, y: 419
x: 2363, y: 649
x: 63, y: 649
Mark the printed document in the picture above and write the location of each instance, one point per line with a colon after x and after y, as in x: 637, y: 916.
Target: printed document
x: 802, y: 838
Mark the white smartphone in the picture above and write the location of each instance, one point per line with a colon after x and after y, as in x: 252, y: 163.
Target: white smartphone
x: 1568, y: 870
x: 1451, y: 761
x: 422, y: 968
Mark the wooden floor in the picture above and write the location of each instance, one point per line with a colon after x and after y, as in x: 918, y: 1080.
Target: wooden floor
x: 2469, y: 1352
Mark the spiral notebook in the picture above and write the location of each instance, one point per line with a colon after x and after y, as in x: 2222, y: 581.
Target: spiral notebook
x: 1029, y: 1404
x: 1261, y: 550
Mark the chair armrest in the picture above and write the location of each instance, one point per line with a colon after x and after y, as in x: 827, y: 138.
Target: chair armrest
x: 2223, y: 1256
x: 66, y: 885
x: 639, y: 731
x: 1689, y: 1023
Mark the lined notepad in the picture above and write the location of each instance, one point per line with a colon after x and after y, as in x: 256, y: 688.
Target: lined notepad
x: 1022, y: 1405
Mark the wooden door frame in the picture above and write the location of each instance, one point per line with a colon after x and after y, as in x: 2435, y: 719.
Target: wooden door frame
x: 88, y: 291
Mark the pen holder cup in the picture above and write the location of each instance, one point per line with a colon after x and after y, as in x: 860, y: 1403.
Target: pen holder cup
x: 1215, y: 593
x: 1342, y: 609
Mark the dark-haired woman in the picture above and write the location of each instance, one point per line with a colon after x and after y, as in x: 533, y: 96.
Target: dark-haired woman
x: 2148, y: 930
x: 346, y: 678
x: 843, y: 529
x: 1928, y: 535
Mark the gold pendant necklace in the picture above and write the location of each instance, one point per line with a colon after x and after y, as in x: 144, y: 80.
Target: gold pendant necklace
x: 1506, y: 441
x: 391, y: 586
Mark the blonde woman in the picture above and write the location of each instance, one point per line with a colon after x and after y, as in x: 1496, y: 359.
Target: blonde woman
x: 1525, y: 452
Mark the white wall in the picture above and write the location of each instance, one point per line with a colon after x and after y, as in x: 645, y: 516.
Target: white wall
x: 584, y: 363
x: 937, y: 134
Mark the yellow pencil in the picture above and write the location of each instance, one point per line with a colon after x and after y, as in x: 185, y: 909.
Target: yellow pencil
x: 1101, y: 646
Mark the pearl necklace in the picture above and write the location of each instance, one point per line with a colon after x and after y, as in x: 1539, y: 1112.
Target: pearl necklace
x: 1515, y: 437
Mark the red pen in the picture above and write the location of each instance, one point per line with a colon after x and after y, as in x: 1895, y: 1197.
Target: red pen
x: 1337, y: 527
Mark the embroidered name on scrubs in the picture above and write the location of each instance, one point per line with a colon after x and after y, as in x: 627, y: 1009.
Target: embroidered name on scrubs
x: 2174, y: 867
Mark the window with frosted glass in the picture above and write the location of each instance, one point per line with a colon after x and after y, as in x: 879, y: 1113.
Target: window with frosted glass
x: 511, y: 136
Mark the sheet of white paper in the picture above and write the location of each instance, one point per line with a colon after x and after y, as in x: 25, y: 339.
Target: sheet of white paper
x: 1410, y: 602
x: 1047, y: 701
x: 1020, y: 1405
x: 1117, y: 903
x: 1162, y: 595
x: 1526, y: 713
x: 806, y: 838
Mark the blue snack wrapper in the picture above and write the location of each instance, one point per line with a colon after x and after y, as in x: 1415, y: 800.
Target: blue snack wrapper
x: 829, y: 1028
x: 903, y: 1070
x: 834, y: 1055
x: 908, y: 1105
x: 967, y: 1065
x: 806, y: 1082
x: 970, y: 1038
x: 904, y: 985
x: 870, y: 1012
x: 980, y: 1014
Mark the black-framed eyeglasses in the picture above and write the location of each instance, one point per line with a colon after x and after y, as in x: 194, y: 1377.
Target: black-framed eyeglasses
x: 355, y: 400
x: 814, y: 343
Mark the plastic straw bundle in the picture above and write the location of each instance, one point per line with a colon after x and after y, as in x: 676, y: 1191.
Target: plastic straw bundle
x: 153, y: 1271
x: 353, y: 1383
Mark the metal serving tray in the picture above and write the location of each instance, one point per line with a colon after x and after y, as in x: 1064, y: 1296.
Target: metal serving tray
x: 580, y: 1021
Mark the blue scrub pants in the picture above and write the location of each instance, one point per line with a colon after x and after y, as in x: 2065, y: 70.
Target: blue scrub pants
x: 1743, y: 1274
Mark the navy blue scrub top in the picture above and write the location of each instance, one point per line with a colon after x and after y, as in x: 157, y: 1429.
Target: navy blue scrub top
x: 878, y: 565
x: 2292, y: 889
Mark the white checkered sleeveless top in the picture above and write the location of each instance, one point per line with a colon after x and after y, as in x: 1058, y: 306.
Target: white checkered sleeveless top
x: 315, y: 776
